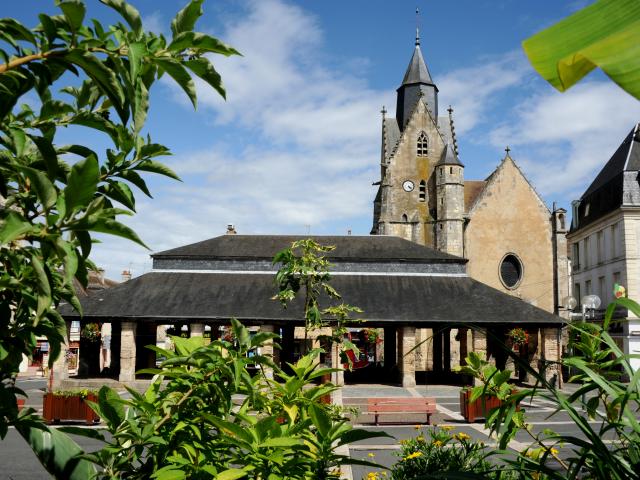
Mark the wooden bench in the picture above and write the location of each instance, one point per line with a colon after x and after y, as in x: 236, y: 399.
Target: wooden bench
x: 421, y: 405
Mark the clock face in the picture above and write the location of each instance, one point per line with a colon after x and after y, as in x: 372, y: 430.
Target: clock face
x: 407, y: 185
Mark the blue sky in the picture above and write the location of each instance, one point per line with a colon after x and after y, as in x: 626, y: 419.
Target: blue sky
x: 295, y: 147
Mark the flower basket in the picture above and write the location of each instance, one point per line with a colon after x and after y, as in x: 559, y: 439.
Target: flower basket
x: 69, y: 406
x: 479, y: 408
x: 90, y: 332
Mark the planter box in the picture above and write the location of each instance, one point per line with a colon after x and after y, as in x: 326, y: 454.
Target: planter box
x: 62, y: 407
x: 480, y: 408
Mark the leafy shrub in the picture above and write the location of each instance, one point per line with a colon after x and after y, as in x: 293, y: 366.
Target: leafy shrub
x: 443, y: 451
x: 212, y: 419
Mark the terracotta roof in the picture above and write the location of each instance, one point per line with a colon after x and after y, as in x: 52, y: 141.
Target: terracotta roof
x: 472, y: 189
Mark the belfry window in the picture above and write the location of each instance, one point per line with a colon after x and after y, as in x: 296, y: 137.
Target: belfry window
x: 405, y: 219
x: 423, y: 191
x: 423, y: 145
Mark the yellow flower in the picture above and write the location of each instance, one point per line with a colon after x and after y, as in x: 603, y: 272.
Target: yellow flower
x: 420, y: 438
x: 462, y: 436
x: 447, y: 428
x: 413, y: 455
x: 554, y: 451
x: 372, y: 476
x: 418, y: 427
x: 437, y: 443
x: 371, y: 455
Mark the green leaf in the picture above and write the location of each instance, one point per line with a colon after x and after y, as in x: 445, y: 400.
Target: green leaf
x: 104, y: 77
x: 45, y: 190
x: 320, y: 418
x: 605, y: 34
x: 128, y: 12
x: 157, y: 167
x: 231, y: 474
x: 181, y: 76
x: 56, y: 451
x: 170, y: 472
x: 19, y: 140
x: 186, y: 18
x: 200, y: 41
x: 13, y: 227
x: 49, y: 155
x: 111, y: 407
x: 136, y: 179
x: 96, y: 121
x: 137, y: 52
x: 203, y: 68
x: 54, y: 108
x: 16, y: 30
x: 113, y: 227
x: 82, y: 183
x: 74, y: 12
x: 140, y: 106
x: 281, y: 442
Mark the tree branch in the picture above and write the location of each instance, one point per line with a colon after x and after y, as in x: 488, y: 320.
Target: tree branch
x: 29, y: 58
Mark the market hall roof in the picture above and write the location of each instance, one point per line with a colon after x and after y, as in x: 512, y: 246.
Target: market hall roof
x: 393, y: 293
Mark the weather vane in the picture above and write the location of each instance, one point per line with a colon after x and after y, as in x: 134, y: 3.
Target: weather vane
x: 417, y: 26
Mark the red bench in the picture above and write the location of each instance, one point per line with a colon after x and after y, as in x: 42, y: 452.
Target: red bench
x: 421, y: 405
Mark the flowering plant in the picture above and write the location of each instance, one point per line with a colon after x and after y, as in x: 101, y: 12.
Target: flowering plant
x: 518, y: 336
x: 442, y: 450
x: 91, y: 332
x: 372, y: 335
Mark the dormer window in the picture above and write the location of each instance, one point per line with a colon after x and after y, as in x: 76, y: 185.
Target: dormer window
x: 422, y: 145
x: 423, y: 191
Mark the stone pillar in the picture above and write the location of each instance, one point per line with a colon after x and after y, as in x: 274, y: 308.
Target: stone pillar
x: 407, y: 357
x: 337, y: 378
x: 551, y: 352
x: 479, y: 344
x: 454, y: 337
x: 534, y: 352
x: 197, y: 330
x: 128, y: 352
x: 464, y: 346
x: 267, y: 349
x: 60, y: 370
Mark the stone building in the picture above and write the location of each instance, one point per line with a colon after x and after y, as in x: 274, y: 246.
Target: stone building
x: 604, y: 239
x: 400, y: 285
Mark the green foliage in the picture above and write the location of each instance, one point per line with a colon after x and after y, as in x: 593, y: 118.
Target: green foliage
x: 53, y: 197
x: 304, y: 267
x: 605, y: 34
x: 606, y: 449
x: 204, y: 416
x: 444, y: 454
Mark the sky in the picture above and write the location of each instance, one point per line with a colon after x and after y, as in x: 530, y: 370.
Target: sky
x: 295, y: 147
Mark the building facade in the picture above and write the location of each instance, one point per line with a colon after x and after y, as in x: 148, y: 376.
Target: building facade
x: 604, y: 240
x: 512, y: 240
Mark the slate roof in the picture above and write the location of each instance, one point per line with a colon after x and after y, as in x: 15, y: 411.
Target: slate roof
x: 472, y: 190
x: 417, y: 71
x: 351, y: 248
x: 386, y: 299
x: 449, y: 156
x: 391, y: 136
x: 616, y: 184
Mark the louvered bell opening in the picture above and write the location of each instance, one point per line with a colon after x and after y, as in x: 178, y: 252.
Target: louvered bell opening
x: 511, y: 271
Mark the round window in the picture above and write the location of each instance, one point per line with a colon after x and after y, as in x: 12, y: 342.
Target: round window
x: 510, y: 271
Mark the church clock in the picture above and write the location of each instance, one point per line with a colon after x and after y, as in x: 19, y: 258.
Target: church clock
x: 408, y: 186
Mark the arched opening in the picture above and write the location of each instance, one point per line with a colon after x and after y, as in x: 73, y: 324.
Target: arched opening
x: 561, y: 220
x: 405, y: 218
x: 423, y: 191
x: 422, y: 147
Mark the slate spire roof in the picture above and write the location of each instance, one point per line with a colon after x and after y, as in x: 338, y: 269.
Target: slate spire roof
x: 417, y: 71
x: 449, y: 156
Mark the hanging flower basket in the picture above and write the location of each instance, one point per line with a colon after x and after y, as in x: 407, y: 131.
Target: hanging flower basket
x: 90, y: 332
x: 518, y: 337
x: 372, y: 336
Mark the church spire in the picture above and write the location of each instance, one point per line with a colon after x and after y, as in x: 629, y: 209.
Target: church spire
x: 417, y: 82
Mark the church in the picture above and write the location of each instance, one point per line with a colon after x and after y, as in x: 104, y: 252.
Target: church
x: 451, y: 266
x: 511, y: 239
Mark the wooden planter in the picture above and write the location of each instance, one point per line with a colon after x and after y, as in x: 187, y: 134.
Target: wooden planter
x: 63, y: 407
x: 479, y: 408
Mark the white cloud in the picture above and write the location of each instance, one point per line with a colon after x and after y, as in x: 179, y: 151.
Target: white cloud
x: 471, y: 90
x: 571, y: 134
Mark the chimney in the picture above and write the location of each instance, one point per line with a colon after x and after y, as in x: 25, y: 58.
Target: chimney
x: 231, y: 230
x: 126, y: 275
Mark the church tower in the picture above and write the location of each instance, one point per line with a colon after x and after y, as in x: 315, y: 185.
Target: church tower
x: 413, y: 141
x: 450, y: 203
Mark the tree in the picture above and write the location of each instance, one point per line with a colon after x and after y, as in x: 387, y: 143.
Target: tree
x: 605, y: 34
x: 54, y: 197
